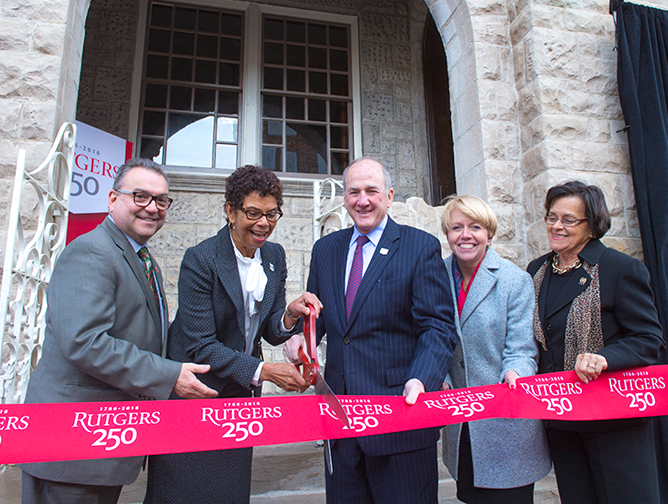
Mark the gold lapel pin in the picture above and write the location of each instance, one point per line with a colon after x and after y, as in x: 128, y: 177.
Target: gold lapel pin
x: 583, y: 281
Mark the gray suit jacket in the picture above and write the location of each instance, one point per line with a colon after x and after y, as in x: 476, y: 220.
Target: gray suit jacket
x: 496, y: 335
x: 102, y: 343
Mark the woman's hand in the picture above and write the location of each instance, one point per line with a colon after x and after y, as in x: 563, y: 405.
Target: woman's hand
x: 299, y: 308
x: 286, y: 376
x: 589, y: 366
x: 446, y: 386
x: 510, y: 378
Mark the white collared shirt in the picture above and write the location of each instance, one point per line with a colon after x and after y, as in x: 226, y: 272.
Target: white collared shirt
x: 368, y: 249
x: 251, y: 302
x: 251, y: 322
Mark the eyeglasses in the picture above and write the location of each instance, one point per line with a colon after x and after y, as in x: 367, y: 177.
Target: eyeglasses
x: 254, y: 214
x: 143, y: 199
x: 565, y: 221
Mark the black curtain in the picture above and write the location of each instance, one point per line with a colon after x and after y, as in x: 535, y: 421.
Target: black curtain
x: 642, y: 75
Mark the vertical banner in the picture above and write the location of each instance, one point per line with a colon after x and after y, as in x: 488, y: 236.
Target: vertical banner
x: 97, y: 157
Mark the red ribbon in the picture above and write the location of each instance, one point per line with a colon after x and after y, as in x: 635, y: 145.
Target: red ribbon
x: 74, y: 431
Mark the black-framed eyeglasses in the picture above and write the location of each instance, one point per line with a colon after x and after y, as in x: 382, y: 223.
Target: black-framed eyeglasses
x: 254, y: 214
x: 565, y: 221
x: 143, y: 199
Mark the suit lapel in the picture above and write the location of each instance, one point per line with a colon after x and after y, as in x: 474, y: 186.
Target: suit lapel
x: 228, y: 274
x: 482, y: 284
x: 387, y: 247
x: 451, y: 277
x: 269, y: 266
x: 542, y: 294
x: 339, y: 258
x: 578, y: 282
x: 137, y: 268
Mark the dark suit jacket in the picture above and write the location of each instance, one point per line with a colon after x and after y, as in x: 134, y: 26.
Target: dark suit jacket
x: 401, y: 325
x: 102, y: 343
x: 631, y: 331
x: 209, y: 327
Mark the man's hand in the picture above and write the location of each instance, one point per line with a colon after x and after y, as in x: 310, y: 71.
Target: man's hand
x: 291, y: 348
x: 286, y: 376
x: 188, y: 386
x: 298, y: 308
x: 412, y: 390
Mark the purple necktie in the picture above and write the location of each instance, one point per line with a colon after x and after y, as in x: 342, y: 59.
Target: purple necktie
x: 355, y: 275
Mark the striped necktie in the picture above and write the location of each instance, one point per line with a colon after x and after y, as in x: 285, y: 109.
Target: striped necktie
x: 148, y: 268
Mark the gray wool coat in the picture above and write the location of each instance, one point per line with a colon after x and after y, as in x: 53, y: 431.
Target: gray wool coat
x: 496, y: 335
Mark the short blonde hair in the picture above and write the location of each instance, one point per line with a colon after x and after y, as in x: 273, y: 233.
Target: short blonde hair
x: 474, y: 208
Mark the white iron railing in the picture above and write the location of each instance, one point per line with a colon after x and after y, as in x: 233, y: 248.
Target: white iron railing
x: 328, y: 202
x: 35, y: 238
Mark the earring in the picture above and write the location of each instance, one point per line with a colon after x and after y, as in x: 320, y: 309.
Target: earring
x: 231, y: 225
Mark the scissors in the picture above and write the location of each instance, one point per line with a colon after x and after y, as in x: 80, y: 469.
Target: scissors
x: 312, y: 375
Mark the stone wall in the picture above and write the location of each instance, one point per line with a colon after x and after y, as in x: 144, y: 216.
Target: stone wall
x: 570, y: 116
x: 107, y: 67
x: 534, y: 102
x: 40, y: 59
x: 485, y: 111
x: 393, y: 117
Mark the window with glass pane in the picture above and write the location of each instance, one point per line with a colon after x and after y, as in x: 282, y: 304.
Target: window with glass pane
x: 191, y: 89
x: 306, y: 96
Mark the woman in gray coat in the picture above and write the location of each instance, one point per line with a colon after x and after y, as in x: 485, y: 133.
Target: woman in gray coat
x: 496, y: 460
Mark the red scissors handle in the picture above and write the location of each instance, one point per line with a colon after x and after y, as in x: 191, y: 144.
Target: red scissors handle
x: 309, y: 334
x: 310, y: 361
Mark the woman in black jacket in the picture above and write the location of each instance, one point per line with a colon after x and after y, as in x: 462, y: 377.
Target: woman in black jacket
x: 594, y: 312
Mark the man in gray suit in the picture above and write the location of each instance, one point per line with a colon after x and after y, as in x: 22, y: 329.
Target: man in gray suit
x: 106, y: 325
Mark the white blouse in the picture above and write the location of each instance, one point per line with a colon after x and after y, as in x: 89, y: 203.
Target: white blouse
x: 253, y: 282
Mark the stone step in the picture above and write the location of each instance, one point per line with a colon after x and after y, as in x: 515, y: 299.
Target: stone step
x: 282, y: 474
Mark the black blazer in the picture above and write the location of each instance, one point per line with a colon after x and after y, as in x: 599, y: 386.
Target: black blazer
x: 632, y: 334
x: 209, y: 323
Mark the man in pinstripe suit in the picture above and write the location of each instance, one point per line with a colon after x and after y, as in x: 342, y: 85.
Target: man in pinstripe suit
x: 391, y: 333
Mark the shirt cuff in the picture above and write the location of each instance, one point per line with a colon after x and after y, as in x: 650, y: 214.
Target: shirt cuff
x: 256, y: 377
x: 281, y: 327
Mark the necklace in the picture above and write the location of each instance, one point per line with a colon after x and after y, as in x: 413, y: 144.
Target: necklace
x: 566, y: 269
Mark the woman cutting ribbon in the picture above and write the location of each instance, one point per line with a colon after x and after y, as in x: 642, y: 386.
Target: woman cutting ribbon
x: 231, y: 295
